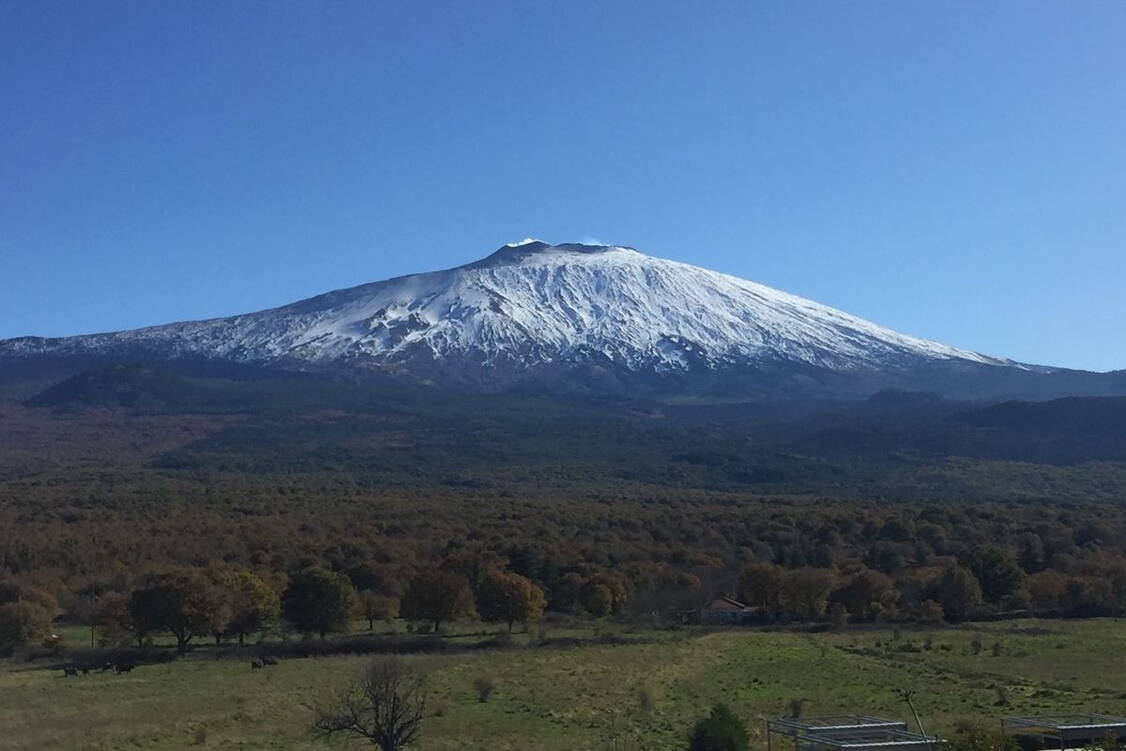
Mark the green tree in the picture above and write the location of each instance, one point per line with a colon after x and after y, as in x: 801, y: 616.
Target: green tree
x: 958, y: 592
x: 805, y: 591
x: 509, y: 598
x: 437, y: 596
x: 719, y: 731
x: 566, y: 592
x: 997, y: 572
x: 254, y: 605
x: 377, y: 607
x: 371, y: 575
x: 866, y: 594
x: 318, y: 601
x: 182, y: 603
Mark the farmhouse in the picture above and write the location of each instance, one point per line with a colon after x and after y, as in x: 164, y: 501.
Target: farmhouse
x: 727, y: 612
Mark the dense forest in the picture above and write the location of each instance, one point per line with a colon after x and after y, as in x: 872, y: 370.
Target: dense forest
x: 905, y: 507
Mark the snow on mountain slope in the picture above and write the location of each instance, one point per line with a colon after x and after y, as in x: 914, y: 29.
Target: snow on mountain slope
x: 530, y: 305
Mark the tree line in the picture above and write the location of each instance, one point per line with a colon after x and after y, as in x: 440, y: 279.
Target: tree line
x: 191, y: 604
x: 516, y: 585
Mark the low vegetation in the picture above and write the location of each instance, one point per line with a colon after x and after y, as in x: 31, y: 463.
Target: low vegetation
x: 584, y: 696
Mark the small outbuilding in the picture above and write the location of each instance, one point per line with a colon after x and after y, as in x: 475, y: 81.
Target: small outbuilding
x: 1065, y: 731
x: 847, y: 733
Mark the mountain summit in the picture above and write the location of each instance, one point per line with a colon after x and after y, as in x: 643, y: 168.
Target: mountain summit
x: 601, y: 316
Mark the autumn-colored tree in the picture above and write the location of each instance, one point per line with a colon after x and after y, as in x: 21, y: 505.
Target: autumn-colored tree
x: 183, y: 603
x: 680, y: 580
x: 805, y: 591
x: 219, y: 616
x: 377, y: 607
x: 1047, y: 589
x: 21, y: 623
x: 760, y: 585
x: 437, y: 595
x: 318, y: 601
x: 504, y: 597
x: 929, y: 611
x: 615, y: 583
x: 111, y: 619
x: 16, y: 590
x: 472, y: 563
x: 597, y: 599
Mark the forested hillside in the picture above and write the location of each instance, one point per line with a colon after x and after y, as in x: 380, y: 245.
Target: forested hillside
x: 897, y: 508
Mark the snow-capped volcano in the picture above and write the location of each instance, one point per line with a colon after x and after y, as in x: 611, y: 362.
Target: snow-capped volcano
x: 531, y: 309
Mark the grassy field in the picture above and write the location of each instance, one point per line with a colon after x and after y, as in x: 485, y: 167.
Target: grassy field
x: 587, y: 697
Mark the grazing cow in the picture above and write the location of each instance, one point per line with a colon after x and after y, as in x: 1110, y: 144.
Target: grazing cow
x: 255, y: 664
x: 123, y: 667
x: 70, y: 670
x: 269, y: 661
x: 85, y: 669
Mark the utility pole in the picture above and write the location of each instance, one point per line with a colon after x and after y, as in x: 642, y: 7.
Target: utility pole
x: 908, y: 695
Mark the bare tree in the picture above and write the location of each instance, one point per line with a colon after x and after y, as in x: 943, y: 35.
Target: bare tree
x: 385, y: 705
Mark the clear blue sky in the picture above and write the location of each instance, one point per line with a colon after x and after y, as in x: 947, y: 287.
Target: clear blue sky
x: 954, y: 170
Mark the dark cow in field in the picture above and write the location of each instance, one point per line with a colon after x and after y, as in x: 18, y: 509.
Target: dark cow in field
x: 70, y: 670
x: 256, y: 664
x: 269, y: 661
x: 123, y: 667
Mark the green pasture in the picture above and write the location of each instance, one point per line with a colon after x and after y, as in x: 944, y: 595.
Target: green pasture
x: 589, y: 696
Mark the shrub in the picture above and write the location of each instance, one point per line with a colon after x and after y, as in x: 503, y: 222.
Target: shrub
x: 645, y: 701
x: 484, y: 687
x: 543, y: 632
x: 795, y: 707
x: 970, y: 737
x: 385, y: 705
x: 356, y: 645
x: 720, y: 731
